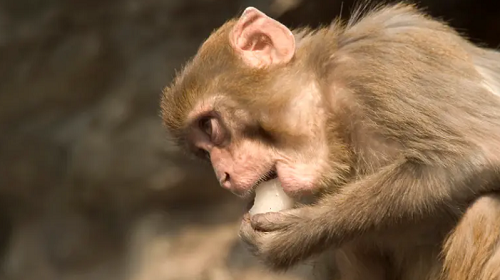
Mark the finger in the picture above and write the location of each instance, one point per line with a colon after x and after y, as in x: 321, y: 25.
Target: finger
x: 267, y: 222
x: 247, y: 233
x: 247, y: 217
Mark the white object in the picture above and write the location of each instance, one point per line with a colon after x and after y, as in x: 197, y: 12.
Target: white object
x: 270, y: 197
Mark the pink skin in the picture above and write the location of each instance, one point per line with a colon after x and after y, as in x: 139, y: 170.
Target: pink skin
x: 239, y: 165
x: 249, y: 39
x: 296, y: 181
x: 238, y: 169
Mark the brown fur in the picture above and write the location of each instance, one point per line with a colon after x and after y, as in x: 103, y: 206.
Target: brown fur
x: 413, y: 133
x: 472, y: 249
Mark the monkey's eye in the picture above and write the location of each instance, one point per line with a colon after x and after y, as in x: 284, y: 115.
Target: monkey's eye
x: 206, y: 126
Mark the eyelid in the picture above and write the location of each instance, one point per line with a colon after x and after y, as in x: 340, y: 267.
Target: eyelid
x: 217, y: 133
x: 203, y: 121
x: 217, y: 137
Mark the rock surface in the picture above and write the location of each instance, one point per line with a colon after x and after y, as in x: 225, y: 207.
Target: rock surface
x: 89, y: 186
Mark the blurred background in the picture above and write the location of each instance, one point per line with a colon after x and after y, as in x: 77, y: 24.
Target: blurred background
x: 89, y: 186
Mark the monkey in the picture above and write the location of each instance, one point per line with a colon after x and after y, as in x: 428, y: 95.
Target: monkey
x: 391, y: 120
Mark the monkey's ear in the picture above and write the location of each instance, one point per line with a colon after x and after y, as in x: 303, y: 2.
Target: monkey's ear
x: 262, y: 41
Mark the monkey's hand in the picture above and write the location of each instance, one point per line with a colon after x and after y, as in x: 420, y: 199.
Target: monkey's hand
x: 279, y: 238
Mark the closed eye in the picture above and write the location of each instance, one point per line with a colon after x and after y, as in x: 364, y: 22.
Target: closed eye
x: 206, y: 126
x: 212, y: 128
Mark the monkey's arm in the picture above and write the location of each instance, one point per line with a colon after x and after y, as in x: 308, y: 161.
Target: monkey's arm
x: 400, y: 193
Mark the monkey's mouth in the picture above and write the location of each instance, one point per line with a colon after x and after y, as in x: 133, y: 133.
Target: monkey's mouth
x: 270, y: 175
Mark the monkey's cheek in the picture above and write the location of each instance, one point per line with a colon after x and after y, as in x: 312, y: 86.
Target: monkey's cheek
x: 296, y: 182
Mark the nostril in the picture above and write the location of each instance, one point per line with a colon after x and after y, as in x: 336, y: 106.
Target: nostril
x: 224, y: 180
x: 225, y: 177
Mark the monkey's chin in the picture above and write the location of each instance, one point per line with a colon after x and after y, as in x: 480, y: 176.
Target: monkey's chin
x: 270, y: 197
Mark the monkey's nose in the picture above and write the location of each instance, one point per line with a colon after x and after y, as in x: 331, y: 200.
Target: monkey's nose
x: 225, y: 180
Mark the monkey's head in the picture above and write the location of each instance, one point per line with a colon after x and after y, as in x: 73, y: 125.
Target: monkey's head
x: 250, y: 104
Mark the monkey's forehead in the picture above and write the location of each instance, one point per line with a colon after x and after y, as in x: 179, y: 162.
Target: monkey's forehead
x: 181, y: 99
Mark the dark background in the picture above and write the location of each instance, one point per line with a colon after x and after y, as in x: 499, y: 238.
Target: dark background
x: 89, y: 186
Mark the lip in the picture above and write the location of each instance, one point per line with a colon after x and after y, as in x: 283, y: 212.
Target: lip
x: 250, y: 195
x: 269, y: 175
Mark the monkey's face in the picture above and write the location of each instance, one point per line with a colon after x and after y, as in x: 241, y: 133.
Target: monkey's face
x: 244, y: 150
x: 242, y: 105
